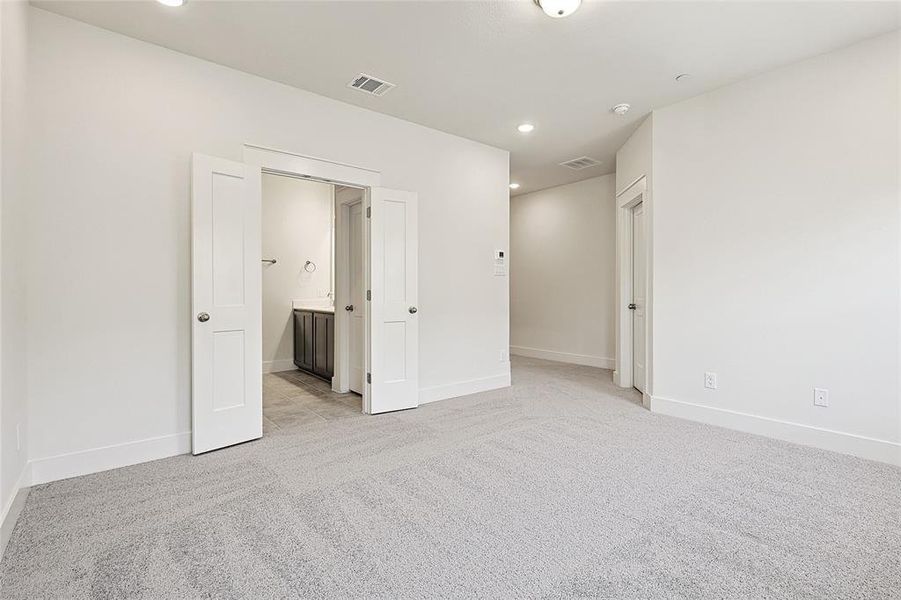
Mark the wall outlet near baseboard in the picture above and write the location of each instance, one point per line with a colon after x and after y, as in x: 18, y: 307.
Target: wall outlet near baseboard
x: 710, y: 380
x: 820, y: 397
x: 504, y: 356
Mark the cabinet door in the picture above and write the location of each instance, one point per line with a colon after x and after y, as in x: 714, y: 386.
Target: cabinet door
x: 330, y: 350
x: 320, y: 344
x: 308, y: 340
x: 303, y: 340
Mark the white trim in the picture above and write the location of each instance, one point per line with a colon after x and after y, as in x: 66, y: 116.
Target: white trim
x: 808, y: 435
x: 85, y: 462
x: 277, y: 366
x: 329, y: 171
x: 464, y: 388
x: 291, y: 164
x: 564, y: 357
x: 13, y: 508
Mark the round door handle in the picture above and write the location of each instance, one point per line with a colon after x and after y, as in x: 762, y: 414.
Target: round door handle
x: 203, y: 317
x: 413, y: 310
x: 632, y: 307
x: 349, y: 308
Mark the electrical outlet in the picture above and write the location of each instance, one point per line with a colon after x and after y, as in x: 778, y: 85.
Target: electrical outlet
x: 710, y: 380
x: 820, y: 397
x: 503, y: 356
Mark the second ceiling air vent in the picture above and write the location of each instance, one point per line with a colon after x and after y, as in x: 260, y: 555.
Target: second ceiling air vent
x: 370, y: 85
x: 583, y: 162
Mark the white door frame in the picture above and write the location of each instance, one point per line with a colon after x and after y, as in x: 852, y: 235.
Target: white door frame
x: 625, y: 202
x: 282, y: 162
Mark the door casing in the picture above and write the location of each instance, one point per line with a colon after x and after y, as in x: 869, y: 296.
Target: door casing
x: 290, y: 164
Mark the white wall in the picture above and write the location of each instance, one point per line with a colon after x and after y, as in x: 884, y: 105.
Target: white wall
x: 633, y: 160
x: 13, y: 411
x: 109, y: 266
x: 297, y: 227
x: 562, y: 246
x: 776, y: 252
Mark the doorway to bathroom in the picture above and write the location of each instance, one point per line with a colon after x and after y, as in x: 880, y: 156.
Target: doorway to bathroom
x: 299, y: 272
x: 227, y: 294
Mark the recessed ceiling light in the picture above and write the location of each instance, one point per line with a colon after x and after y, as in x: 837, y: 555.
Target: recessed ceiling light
x: 559, y: 8
x: 683, y: 76
x: 621, y: 109
x: 526, y: 128
x: 514, y: 186
x: 172, y: 3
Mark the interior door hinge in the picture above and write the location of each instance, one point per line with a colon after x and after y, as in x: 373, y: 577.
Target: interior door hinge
x: 368, y: 377
x: 369, y: 294
x: 368, y: 212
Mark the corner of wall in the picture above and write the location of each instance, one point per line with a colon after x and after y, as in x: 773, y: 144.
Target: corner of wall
x: 9, y: 515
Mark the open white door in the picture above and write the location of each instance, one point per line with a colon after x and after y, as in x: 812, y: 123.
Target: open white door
x: 393, y: 282
x: 226, y: 372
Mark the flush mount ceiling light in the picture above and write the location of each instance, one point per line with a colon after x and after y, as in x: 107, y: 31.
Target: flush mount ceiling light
x: 514, y: 186
x: 621, y: 109
x: 172, y: 3
x: 559, y: 8
x: 526, y: 128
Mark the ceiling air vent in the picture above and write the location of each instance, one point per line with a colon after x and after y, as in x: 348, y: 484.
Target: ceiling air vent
x: 370, y: 85
x: 583, y: 162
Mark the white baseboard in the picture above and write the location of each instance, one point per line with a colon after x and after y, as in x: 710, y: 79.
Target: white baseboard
x: 566, y: 357
x: 63, y: 466
x: 808, y: 435
x: 464, y: 388
x: 12, y: 508
x: 277, y: 366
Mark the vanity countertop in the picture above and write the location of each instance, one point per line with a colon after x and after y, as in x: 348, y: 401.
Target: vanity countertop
x: 313, y: 305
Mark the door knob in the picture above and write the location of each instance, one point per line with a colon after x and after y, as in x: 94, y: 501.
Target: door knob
x: 632, y: 306
x: 203, y: 317
x: 349, y: 308
x: 413, y: 310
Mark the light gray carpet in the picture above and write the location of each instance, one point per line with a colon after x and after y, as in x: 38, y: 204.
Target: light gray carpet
x: 561, y: 486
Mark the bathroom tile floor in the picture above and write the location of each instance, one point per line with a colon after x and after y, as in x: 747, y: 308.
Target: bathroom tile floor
x: 294, y: 398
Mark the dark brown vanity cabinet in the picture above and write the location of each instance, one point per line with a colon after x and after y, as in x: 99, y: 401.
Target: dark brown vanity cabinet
x: 314, y: 342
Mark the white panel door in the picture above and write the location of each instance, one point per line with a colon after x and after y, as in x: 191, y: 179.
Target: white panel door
x: 639, y: 286
x: 226, y: 399
x: 357, y: 299
x: 393, y: 309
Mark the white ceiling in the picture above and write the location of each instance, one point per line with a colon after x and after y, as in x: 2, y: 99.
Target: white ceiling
x: 479, y: 68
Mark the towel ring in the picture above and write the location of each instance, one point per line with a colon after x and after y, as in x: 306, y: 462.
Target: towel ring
x: 309, y: 266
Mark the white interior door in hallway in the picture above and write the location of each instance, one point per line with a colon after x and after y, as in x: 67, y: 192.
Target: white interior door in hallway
x: 226, y: 373
x: 639, y: 297
x: 356, y: 308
